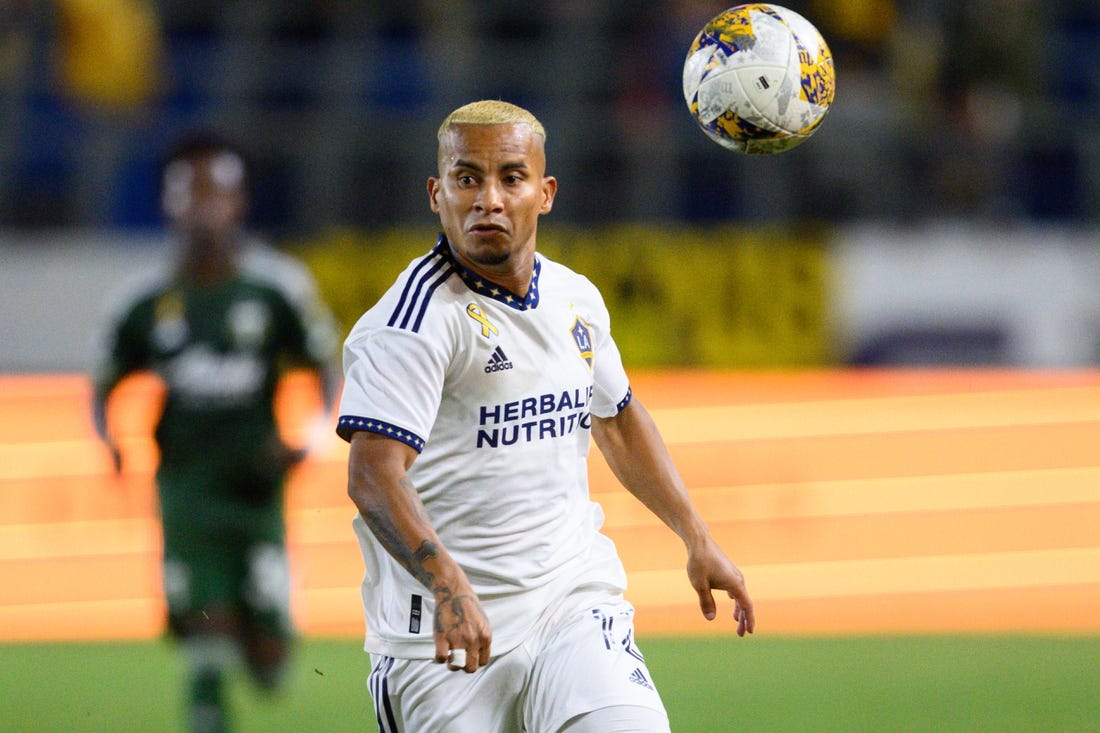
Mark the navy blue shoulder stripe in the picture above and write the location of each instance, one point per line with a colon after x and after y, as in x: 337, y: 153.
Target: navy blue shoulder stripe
x: 428, y: 296
x: 431, y: 272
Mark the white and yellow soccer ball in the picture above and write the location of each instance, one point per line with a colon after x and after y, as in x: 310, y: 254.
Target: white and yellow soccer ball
x: 759, y: 78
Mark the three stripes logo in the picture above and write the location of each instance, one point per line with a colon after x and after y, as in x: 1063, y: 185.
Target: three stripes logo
x: 638, y: 677
x: 497, y: 361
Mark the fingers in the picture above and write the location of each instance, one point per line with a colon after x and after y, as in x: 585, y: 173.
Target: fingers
x: 706, y: 580
x: 296, y: 456
x: 462, y: 634
x: 116, y: 458
x: 290, y: 457
x: 743, y: 613
x: 707, y: 604
x: 457, y: 658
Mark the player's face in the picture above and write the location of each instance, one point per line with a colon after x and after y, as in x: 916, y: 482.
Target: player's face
x: 490, y: 192
x: 204, y: 197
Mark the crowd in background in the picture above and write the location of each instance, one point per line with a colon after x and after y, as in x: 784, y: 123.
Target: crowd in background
x: 985, y: 109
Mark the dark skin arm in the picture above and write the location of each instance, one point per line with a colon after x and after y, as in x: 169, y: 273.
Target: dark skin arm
x: 637, y: 455
x: 379, y: 484
x: 101, y: 393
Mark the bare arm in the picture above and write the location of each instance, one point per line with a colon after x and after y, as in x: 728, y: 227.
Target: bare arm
x: 633, y: 448
x: 101, y: 393
x: 379, y: 484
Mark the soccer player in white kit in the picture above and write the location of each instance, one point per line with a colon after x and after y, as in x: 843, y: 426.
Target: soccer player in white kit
x: 472, y: 389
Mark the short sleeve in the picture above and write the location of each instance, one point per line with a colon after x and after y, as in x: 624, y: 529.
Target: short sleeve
x: 120, y: 346
x: 393, y: 383
x: 611, y: 385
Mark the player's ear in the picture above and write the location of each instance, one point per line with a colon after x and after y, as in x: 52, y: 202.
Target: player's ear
x: 549, y: 190
x: 433, y: 194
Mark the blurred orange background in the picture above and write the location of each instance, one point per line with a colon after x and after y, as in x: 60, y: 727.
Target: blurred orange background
x: 854, y: 501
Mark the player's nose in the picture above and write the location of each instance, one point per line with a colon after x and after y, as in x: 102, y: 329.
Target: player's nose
x: 489, y: 198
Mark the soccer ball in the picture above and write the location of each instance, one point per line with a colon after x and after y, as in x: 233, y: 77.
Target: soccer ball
x: 759, y: 79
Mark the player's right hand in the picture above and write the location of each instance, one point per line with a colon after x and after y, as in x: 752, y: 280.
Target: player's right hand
x: 461, y: 626
x: 116, y: 458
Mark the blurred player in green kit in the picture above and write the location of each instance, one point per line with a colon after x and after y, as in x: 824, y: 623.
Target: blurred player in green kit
x: 218, y: 327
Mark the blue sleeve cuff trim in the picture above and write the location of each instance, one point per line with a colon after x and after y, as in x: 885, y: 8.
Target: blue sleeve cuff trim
x: 624, y: 401
x: 348, y: 425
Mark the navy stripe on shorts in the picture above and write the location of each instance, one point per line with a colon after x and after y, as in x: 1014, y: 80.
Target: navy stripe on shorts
x: 379, y: 690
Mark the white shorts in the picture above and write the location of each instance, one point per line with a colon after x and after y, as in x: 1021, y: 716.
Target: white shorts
x: 582, y: 659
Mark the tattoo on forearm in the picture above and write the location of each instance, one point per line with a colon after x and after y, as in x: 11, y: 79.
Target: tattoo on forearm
x: 411, y: 559
x: 425, y: 552
x: 449, y: 611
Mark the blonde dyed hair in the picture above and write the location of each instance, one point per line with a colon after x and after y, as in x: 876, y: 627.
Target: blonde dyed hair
x: 491, y: 112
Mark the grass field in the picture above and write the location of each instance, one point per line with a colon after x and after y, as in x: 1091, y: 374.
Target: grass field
x: 710, y: 685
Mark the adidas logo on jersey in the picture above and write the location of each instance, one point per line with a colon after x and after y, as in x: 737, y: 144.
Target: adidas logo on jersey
x: 638, y: 677
x: 497, y: 362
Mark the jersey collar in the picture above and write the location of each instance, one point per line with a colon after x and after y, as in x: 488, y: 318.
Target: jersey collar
x: 490, y: 289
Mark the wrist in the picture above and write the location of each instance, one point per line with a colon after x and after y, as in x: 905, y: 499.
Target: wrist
x: 448, y: 580
x: 695, y: 537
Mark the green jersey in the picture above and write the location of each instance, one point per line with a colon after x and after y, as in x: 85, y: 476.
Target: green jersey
x: 219, y: 349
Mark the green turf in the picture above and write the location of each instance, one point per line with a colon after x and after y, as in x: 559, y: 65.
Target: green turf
x: 916, y: 683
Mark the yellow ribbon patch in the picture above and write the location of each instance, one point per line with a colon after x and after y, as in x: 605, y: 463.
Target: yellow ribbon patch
x: 486, y: 328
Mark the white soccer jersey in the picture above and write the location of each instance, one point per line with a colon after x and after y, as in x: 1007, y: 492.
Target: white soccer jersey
x: 496, y: 392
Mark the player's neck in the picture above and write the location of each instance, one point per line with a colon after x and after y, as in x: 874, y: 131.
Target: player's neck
x: 514, y: 274
x: 208, y: 261
x: 516, y: 283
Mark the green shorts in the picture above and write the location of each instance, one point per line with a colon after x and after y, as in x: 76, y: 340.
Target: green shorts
x: 222, y: 554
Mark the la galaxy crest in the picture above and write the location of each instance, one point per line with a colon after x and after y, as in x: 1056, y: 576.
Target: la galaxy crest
x: 582, y: 337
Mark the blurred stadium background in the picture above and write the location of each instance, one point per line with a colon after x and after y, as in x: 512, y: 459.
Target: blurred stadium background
x: 945, y: 214
x: 875, y: 356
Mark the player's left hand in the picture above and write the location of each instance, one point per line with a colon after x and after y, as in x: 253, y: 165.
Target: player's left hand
x: 286, y: 457
x: 709, y: 569
x: 294, y: 456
